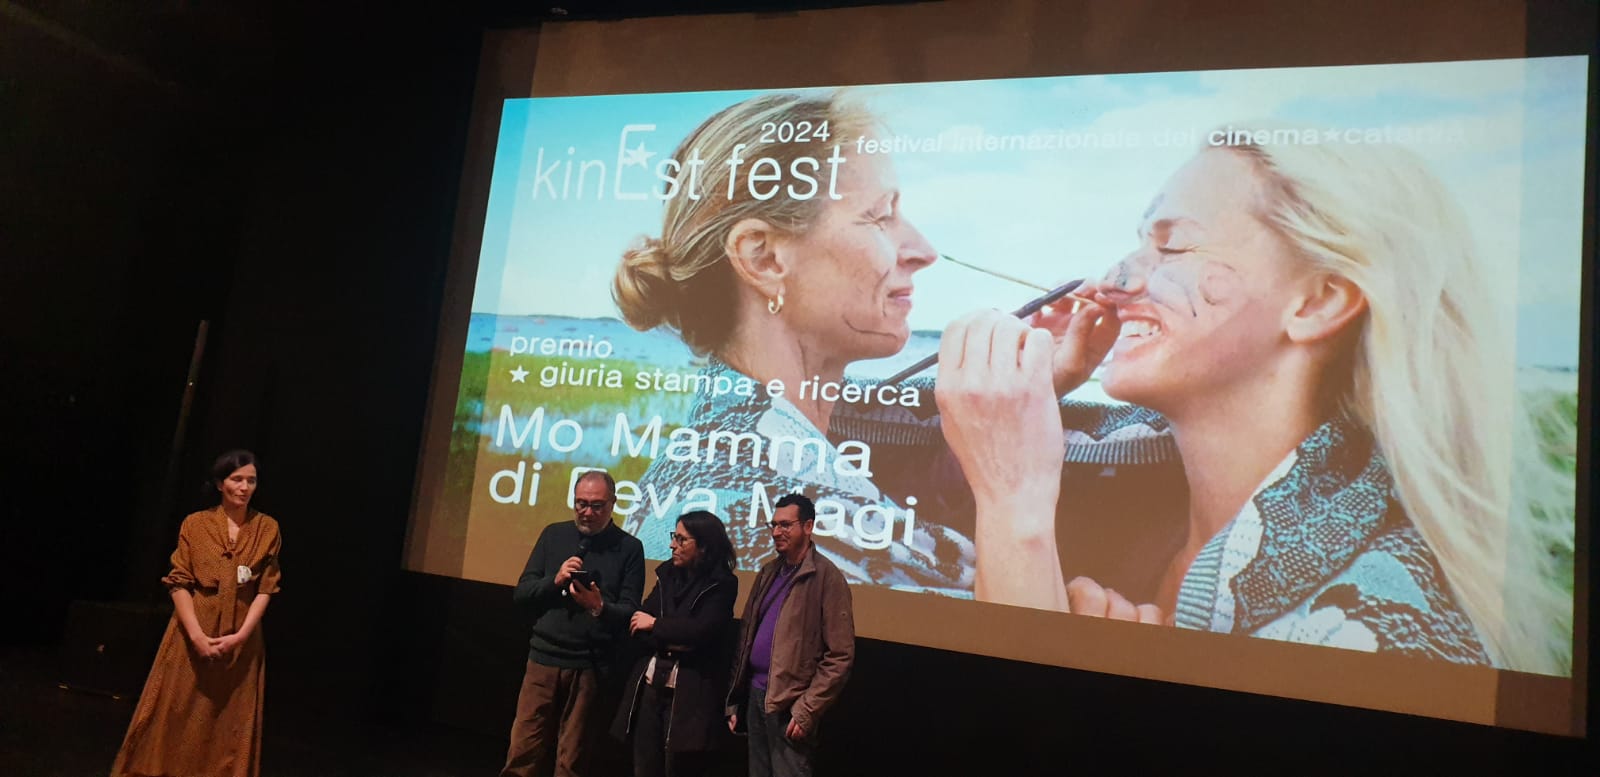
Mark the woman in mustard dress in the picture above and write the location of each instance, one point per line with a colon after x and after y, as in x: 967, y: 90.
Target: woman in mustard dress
x: 200, y: 712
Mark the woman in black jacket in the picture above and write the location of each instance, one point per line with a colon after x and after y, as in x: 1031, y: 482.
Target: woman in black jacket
x: 674, y: 710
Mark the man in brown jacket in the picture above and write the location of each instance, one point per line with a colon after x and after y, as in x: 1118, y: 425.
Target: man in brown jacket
x: 795, y: 653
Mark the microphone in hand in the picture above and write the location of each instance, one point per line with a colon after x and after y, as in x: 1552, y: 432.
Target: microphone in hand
x: 583, y: 550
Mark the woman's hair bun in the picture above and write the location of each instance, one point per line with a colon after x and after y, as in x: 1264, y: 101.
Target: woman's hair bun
x: 643, y: 288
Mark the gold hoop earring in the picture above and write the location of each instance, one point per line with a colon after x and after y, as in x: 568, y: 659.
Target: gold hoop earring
x: 775, y: 304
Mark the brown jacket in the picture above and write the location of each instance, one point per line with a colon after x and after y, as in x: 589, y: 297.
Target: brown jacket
x: 813, y: 645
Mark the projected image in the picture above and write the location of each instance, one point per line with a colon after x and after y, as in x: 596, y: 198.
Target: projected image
x: 1317, y: 381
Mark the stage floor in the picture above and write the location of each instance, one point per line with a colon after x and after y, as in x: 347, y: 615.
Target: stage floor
x: 46, y: 731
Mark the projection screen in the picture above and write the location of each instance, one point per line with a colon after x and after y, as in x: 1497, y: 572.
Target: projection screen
x: 1312, y: 416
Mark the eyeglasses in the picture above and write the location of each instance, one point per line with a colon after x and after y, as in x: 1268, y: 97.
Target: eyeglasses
x: 783, y: 526
x: 591, y: 507
x: 679, y: 539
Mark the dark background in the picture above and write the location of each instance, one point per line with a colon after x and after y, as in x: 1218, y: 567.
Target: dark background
x: 290, y: 174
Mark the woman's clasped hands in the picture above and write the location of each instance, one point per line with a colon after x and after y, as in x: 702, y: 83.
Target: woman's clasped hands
x: 216, y: 648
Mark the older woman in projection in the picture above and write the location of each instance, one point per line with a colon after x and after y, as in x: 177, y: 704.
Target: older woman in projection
x: 1320, y: 375
x: 788, y: 290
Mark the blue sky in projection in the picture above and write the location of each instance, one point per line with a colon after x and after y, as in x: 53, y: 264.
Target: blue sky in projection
x: 1506, y: 136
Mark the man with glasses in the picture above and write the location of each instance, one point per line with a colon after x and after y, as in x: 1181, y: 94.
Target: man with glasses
x: 581, y: 585
x: 797, y: 645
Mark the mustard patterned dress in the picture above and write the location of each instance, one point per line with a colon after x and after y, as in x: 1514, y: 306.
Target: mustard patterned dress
x: 199, y: 718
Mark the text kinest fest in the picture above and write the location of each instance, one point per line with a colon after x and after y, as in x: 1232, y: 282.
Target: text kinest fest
x: 764, y: 177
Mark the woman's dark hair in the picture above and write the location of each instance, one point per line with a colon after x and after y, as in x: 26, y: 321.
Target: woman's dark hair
x: 707, y: 530
x: 230, y: 462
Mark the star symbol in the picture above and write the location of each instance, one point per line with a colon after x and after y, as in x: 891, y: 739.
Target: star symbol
x: 637, y: 156
x: 518, y: 375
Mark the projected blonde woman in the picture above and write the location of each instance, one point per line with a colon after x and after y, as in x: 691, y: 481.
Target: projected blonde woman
x: 1318, y: 360
x: 784, y: 287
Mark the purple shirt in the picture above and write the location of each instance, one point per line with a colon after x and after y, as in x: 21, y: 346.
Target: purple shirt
x: 771, y: 605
